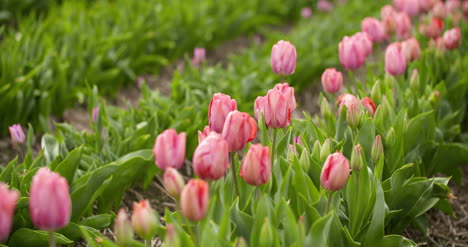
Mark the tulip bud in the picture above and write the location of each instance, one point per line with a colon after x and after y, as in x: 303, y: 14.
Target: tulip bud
x: 325, y: 107
x: 395, y: 60
x: 332, y: 80
x: 7, y: 210
x: 173, y: 182
x: 144, y: 220
x: 326, y: 148
x: 220, y: 106
x: 414, y: 81
x: 353, y: 115
x: 316, y: 150
x: 211, y: 157
x: 376, y: 93
x: 256, y: 165
x: 304, y: 160
x: 306, y: 13
x: 49, y: 202
x: 402, y: 26
x: 95, y: 114
x: 239, y: 129
x: 194, y: 200
x: 390, y: 137
x: 241, y: 242
x: 335, y: 172
x: 169, y: 149
x: 17, y: 134
x: 266, y: 233
x: 204, y: 134
x: 171, y: 236
x: 377, y: 149
x: 434, y: 29
x: 122, y: 229
x: 259, y: 106
x: 374, y: 28
x: 388, y: 14
x: 199, y: 56
x: 324, y: 6
x: 346, y: 100
x: 278, y: 106
x: 411, y: 49
x: 283, y: 58
x: 356, y: 158
x: 434, y: 98
x: 452, y: 38
x: 350, y: 53
x: 369, y: 105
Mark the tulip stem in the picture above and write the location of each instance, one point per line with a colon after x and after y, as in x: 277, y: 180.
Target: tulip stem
x: 273, y: 146
x: 330, y: 195
x: 234, y: 174
x: 357, y: 186
x: 148, y: 242
x: 51, y: 239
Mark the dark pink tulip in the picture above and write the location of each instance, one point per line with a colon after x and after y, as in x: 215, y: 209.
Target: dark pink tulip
x: 452, y: 38
x: 173, y: 182
x: 335, y: 172
x: 369, y: 105
x: 7, y: 209
x: 306, y: 13
x: 211, y: 157
x: 411, y: 7
x: 169, y: 149
x: 17, y: 134
x: 220, y: 106
x: 204, y: 134
x: 256, y: 165
x: 402, y: 25
x: 395, y: 59
x: 332, y: 80
x: 411, y: 49
x: 49, y: 202
x: 239, y: 129
x: 195, y: 199
x: 374, y: 28
x: 283, y: 58
x: 350, y: 53
x: 324, y: 6
x: 346, y: 100
x: 434, y: 29
x: 278, y: 106
x: 439, y: 10
x: 199, y: 56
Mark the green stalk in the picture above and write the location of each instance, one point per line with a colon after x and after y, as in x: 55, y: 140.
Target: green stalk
x: 273, y: 146
x: 51, y: 239
x: 234, y: 174
x: 330, y: 195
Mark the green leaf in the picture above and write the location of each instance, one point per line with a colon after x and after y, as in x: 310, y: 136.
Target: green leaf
x: 5, y: 175
x: 320, y: 231
x: 32, y: 238
x: 68, y: 166
x: 396, y: 240
x: 99, y: 221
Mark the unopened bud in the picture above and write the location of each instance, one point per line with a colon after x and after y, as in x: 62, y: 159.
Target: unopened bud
x: 434, y: 98
x: 376, y: 94
x: 326, y: 149
x: 356, y: 158
x: 390, y: 137
x: 122, y: 229
x: 241, y: 242
x: 266, y: 234
x: 353, y: 115
x: 173, y: 182
x: 325, y: 107
x: 304, y: 160
x: 377, y: 149
x: 144, y: 220
x: 171, y: 236
x: 414, y: 81
x: 316, y: 150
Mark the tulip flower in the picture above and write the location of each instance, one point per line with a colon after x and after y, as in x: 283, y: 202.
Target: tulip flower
x: 452, y: 5
x: 17, y: 134
x: 395, y: 59
x: 258, y: 106
x: 49, y: 202
x: 364, y: 42
x: 169, y: 149
x: 199, y: 56
x: 434, y: 29
x: 173, y: 182
x: 144, y: 220
x: 346, y: 100
x: 278, y: 106
x: 7, y: 210
x: 95, y: 114
x: 239, y: 129
x: 452, y: 38
x: 256, y: 165
x: 402, y: 26
x: 324, y: 5
x: 426, y: 5
x: 350, y: 53
x: 374, y: 28
x: 335, y: 172
x: 377, y: 149
x: 411, y: 49
x: 353, y: 115
x: 387, y: 14
x: 306, y: 13
x: 204, y: 134
x: 211, y: 157
x: 411, y: 7
x: 220, y: 106
x: 439, y: 10
x: 283, y: 58
x: 369, y: 105
x: 356, y: 158
x: 123, y: 231
x: 194, y: 200
x: 438, y: 44
x: 465, y: 7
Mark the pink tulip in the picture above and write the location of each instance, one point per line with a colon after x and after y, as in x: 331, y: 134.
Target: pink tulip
x: 374, y: 28
x: 256, y: 165
x: 199, y: 56
x: 239, y: 129
x: 49, y: 202
x: 123, y: 230
x: 306, y: 13
x: 324, y: 6
x: 332, y: 80
x: 278, y: 106
x: 353, y: 115
x: 402, y: 25
x: 211, y: 157
x: 388, y: 14
x: 411, y: 49
x: 452, y: 5
x: 350, y: 53
x: 95, y: 114
x: 173, y: 182
x: 7, y: 210
x: 17, y: 134
x: 169, y: 149
x: 439, y: 10
x: 283, y: 58
x: 465, y: 7
x: 335, y: 172
x: 395, y: 59
x: 220, y: 106
x: 346, y: 100
x: 426, y: 5
x: 144, y: 220
x: 411, y: 7
x: 452, y: 38
x: 258, y: 106
x: 434, y: 29
x: 364, y: 41
x: 194, y: 200
x: 369, y: 105
x: 204, y: 134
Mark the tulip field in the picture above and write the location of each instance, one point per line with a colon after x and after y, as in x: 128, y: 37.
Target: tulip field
x: 328, y: 123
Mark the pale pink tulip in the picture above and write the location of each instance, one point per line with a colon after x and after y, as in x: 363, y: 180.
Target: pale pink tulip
x: 169, y: 149
x: 7, y: 210
x: 374, y: 28
x: 335, y: 172
x: 402, y: 25
x: 351, y: 54
x: 16, y: 134
x: 278, y: 106
x: 239, y: 129
x: 220, y: 106
x: 211, y: 157
x: 256, y: 165
x: 204, y: 134
x: 346, y: 100
x: 332, y: 80
x: 173, y: 182
x: 411, y: 49
x: 283, y: 58
x: 144, y: 220
x: 452, y: 38
x: 194, y: 200
x: 395, y: 59
x: 199, y: 56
